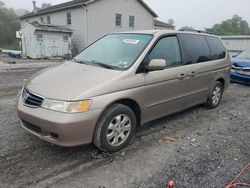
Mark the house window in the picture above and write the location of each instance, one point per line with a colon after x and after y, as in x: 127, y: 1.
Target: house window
x: 131, y: 21
x: 65, y: 38
x: 69, y: 18
x: 118, y: 20
x: 42, y: 20
x: 48, y: 20
x: 39, y: 37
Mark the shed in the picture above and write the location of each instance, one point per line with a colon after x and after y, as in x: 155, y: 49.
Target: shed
x: 45, y: 40
x: 236, y: 43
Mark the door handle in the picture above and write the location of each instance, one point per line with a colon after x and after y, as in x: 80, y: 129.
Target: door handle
x: 181, y: 76
x: 192, y: 74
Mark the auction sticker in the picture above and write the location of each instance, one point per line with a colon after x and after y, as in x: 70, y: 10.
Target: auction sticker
x: 131, y: 41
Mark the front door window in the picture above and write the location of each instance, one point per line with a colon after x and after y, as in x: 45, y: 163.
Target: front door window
x: 168, y: 49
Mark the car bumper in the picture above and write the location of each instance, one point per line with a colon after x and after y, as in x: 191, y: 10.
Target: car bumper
x: 62, y: 129
x: 240, y: 78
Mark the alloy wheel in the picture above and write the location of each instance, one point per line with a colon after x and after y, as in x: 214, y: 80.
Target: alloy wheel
x: 216, y: 95
x: 118, y: 130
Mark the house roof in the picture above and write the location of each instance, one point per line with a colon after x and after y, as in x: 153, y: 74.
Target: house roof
x: 163, y: 24
x: 148, y: 8
x: 54, y: 8
x: 71, y: 4
x: 52, y: 28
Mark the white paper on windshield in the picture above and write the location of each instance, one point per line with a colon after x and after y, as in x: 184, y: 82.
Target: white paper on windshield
x: 131, y: 41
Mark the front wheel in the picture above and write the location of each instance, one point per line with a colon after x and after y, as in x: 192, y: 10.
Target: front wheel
x: 115, y: 128
x: 215, y: 95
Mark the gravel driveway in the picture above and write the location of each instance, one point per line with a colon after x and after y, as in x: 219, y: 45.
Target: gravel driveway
x: 195, y: 148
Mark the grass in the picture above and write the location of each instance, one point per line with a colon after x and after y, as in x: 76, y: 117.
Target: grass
x: 12, y: 46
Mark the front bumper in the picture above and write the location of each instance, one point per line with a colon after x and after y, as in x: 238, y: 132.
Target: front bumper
x: 240, y: 78
x: 59, y: 128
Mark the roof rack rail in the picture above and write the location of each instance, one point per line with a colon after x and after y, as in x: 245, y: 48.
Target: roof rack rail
x: 197, y: 31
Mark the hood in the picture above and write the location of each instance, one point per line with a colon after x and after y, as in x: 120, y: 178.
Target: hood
x: 68, y: 80
x: 241, y: 62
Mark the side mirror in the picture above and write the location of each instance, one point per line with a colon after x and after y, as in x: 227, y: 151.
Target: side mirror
x: 156, y: 65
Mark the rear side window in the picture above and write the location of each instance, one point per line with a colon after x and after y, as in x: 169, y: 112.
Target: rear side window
x: 167, y: 48
x: 195, y: 48
x: 216, y: 48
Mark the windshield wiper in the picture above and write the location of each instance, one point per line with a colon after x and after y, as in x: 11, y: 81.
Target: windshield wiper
x: 82, y: 62
x: 95, y: 63
x: 103, y: 64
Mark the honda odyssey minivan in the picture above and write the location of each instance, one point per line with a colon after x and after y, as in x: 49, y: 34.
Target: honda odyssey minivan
x: 121, y: 81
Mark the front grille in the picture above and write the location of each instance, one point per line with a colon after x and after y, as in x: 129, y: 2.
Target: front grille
x: 246, y: 69
x: 32, y: 127
x: 31, y: 99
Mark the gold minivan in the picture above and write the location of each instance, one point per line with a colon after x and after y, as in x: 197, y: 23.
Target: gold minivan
x: 121, y: 81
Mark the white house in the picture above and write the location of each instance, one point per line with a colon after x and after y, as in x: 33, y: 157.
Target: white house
x: 45, y: 41
x: 92, y: 19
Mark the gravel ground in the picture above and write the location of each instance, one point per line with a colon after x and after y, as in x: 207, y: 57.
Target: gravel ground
x: 10, y: 64
x: 18, y: 67
x: 195, y: 148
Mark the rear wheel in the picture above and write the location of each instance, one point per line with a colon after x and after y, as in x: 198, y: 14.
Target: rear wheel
x: 215, y: 95
x: 115, y: 128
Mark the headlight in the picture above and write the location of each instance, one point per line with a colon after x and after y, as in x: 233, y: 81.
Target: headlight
x: 64, y: 106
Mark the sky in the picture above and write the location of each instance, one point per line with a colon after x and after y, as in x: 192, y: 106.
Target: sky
x: 198, y: 14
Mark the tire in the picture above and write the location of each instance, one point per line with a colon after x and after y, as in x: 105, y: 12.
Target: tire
x: 215, y: 95
x: 115, y: 128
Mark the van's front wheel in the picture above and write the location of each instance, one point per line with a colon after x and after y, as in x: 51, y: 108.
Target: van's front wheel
x: 115, y: 128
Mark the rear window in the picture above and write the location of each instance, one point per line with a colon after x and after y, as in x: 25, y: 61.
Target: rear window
x: 216, y: 48
x: 195, y: 48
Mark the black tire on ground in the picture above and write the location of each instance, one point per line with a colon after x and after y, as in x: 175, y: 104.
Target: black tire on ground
x: 215, y: 95
x: 111, y: 117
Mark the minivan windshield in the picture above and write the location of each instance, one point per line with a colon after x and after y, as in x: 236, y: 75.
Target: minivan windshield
x: 115, y: 51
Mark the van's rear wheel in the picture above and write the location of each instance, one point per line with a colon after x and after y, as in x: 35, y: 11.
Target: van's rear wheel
x: 215, y: 95
x: 115, y: 128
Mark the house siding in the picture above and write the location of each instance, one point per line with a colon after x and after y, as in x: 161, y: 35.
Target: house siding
x: 101, y: 17
x: 99, y: 20
x: 236, y: 44
x: 27, y: 40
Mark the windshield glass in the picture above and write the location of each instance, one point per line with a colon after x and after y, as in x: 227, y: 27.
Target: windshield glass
x: 244, y: 55
x: 116, y: 51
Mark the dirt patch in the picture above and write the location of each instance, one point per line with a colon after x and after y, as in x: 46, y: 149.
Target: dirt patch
x: 195, y: 148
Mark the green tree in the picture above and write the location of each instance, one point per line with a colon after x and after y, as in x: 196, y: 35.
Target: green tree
x: 45, y: 5
x: 9, y: 24
x: 234, y: 26
x: 1, y: 4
